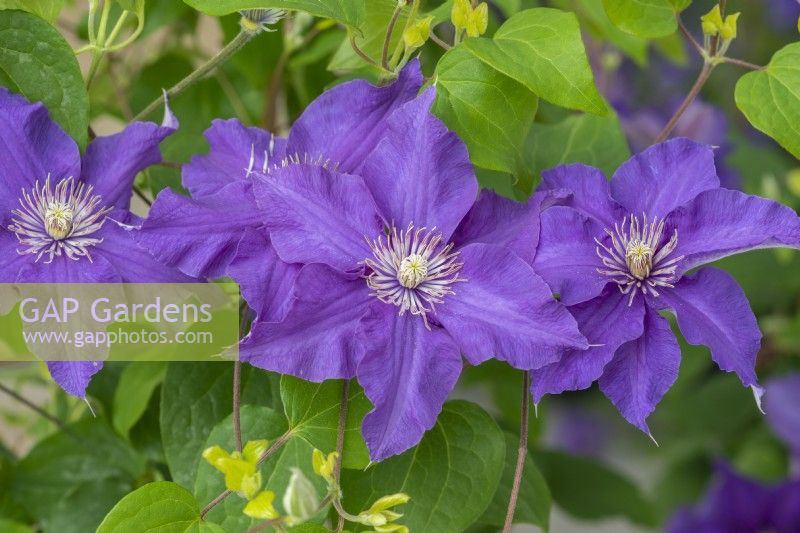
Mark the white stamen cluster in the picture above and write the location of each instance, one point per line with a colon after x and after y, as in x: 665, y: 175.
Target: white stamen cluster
x: 637, y: 260
x: 52, y: 221
x: 268, y: 162
x: 412, y: 269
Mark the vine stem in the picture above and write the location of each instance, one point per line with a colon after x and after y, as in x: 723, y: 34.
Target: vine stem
x: 388, y: 39
x: 34, y: 407
x: 741, y: 63
x: 223, y: 55
x: 705, y: 72
x: 337, y: 468
x: 277, y: 445
x: 522, y: 452
x: 436, y: 39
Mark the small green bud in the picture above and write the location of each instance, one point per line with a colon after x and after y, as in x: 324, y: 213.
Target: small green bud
x: 417, y: 34
x: 380, y: 513
x: 478, y: 20
x: 712, y: 21
x: 728, y: 29
x: 301, y: 500
x: 254, y: 449
x: 324, y: 466
x: 261, y: 507
x: 460, y: 14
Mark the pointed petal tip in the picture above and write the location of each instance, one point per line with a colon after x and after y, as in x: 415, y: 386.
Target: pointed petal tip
x: 89, y: 405
x: 758, y: 395
x: 649, y: 434
x: 169, y: 120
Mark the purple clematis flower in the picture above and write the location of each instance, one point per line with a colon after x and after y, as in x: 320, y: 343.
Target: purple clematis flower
x: 220, y: 229
x: 736, y: 504
x: 401, y: 270
x: 67, y: 220
x: 618, y: 253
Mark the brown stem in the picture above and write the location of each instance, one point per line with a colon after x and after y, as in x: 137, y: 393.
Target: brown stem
x: 435, y: 38
x: 714, y: 46
x: 741, y: 63
x: 522, y: 452
x: 693, y: 92
x: 140, y: 193
x: 363, y: 55
x: 277, y: 445
x: 34, y: 407
x: 697, y: 46
x: 388, y: 39
x: 271, y: 97
x: 337, y: 467
x: 237, y: 401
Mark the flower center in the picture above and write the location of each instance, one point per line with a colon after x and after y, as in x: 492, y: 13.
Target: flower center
x: 61, y: 219
x: 58, y: 220
x: 412, y: 269
x: 637, y: 259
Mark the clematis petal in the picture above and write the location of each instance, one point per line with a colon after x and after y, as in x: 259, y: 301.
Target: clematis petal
x: 266, y: 282
x: 407, y: 373
x: 608, y: 322
x: 713, y: 310
x: 642, y: 371
x: 111, y: 163
x: 317, y: 215
x: 65, y: 270
x: 199, y: 236
x: 783, y: 416
x: 505, y: 311
x: 420, y: 172
x: 591, y: 193
x: 132, y: 262
x: 345, y: 123
x: 233, y: 151
x: 723, y: 222
x: 494, y: 219
x: 664, y: 177
x: 74, y: 376
x: 567, y: 258
x: 317, y: 338
x: 11, y: 262
x: 33, y: 146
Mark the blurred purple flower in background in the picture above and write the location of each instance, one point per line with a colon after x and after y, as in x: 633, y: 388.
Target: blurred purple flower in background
x: 700, y: 122
x: 782, y: 405
x: 617, y: 253
x: 67, y: 219
x: 736, y: 504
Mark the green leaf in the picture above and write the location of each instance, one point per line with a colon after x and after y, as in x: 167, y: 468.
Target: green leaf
x: 71, y: 480
x: 451, y: 475
x: 491, y: 112
x: 162, y: 505
x: 313, y: 413
x: 195, y: 397
x: 256, y: 423
x: 770, y: 98
x: 533, y: 505
x: 680, y: 5
x: 590, y: 490
x: 47, y: 9
x: 542, y: 49
x: 136, y: 386
x: 644, y: 18
x: 593, y: 17
x: 348, y: 12
x: 7, y: 526
x: 370, y: 36
x: 591, y: 140
x: 43, y: 68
